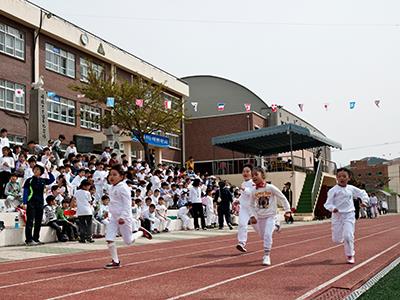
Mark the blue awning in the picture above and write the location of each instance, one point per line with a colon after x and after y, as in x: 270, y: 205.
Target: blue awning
x: 273, y: 140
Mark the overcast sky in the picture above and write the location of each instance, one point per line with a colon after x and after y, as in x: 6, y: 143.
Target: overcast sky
x: 287, y: 52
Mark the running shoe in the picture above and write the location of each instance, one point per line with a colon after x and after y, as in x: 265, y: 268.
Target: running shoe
x: 266, y: 260
x: 351, y: 260
x: 241, y: 247
x: 113, y: 265
x: 146, y: 233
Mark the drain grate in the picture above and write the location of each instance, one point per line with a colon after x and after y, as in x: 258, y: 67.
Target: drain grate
x: 333, y: 294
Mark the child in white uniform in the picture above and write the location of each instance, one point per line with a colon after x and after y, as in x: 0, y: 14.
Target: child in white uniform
x: 263, y: 209
x: 183, y: 214
x: 246, y: 188
x: 340, y: 203
x: 100, y: 179
x: 121, y: 215
x: 161, y: 214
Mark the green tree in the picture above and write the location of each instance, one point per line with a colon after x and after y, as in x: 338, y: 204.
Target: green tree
x: 131, y: 119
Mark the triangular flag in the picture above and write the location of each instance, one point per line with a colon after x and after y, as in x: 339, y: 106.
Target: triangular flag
x: 221, y: 106
x: 326, y: 106
x: 377, y: 103
x: 79, y: 96
x: 51, y: 94
x: 352, y: 104
x: 195, y: 104
x: 19, y: 93
x: 274, y: 108
x: 301, y: 106
x: 139, y: 102
x: 110, y: 102
x: 167, y: 104
x: 247, y: 107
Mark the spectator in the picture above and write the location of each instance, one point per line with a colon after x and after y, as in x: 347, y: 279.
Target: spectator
x: 56, y: 148
x: 13, y: 192
x: 288, y: 192
x: 71, y: 149
x: 197, y: 204
x: 223, y: 198
x: 183, y: 214
x: 4, y: 142
x: 84, y: 212
x: 6, y: 166
x: 50, y: 219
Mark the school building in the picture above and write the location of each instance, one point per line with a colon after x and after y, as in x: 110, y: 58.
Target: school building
x: 38, y: 46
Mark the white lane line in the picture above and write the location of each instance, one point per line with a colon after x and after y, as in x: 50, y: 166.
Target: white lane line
x: 325, y: 284
x: 154, y: 260
x: 207, y: 263
x: 264, y: 269
x: 128, y: 254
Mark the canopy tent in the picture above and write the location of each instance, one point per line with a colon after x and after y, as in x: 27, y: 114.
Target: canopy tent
x: 273, y: 140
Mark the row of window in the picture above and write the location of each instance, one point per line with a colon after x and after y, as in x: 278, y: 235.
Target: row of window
x: 12, y: 41
x: 370, y: 174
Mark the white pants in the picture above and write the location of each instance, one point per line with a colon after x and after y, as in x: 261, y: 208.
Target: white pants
x: 343, y: 225
x: 124, y: 229
x: 211, y: 218
x: 99, y: 192
x: 185, y: 221
x: 97, y: 227
x: 244, y: 216
x: 164, y: 223
x: 135, y: 225
x: 11, y: 203
x: 374, y: 211
x: 265, y: 228
x: 154, y: 224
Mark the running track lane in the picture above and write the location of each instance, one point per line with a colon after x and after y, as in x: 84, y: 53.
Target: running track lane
x: 187, y: 262
x: 194, y: 271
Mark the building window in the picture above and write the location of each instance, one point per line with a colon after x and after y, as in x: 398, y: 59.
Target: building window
x: 174, y: 140
x: 61, y: 110
x: 90, y: 117
x: 60, y: 61
x: 175, y: 101
x: 84, y: 67
x: 16, y: 140
x: 8, y: 99
x: 12, y: 41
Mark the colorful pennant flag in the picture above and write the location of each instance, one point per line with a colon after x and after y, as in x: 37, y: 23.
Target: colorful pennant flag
x: 110, y: 102
x: 352, y: 104
x: 274, y: 108
x: 377, y: 102
x: 51, y: 94
x: 167, y: 104
x: 195, y: 105
x: 301, y: 106
x: 19, y: 93
x: 80, y: 96
x: 247, y: 107
x: 139, y: 102
x: 221, y: 106
x: 326, y: 106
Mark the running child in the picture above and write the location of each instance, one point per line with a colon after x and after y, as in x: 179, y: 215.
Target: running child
x: 340, y: 203
x: 121, y: 215
x: 263, y: 210
x: 246, y: 188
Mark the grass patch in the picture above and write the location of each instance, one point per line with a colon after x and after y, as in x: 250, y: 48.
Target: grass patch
x: 387, y: 287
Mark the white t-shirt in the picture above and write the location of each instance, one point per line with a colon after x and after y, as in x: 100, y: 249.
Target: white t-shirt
x: 10, y: 162
x: 83, y: 199
x: 195, y: 195
x: 4, y: 142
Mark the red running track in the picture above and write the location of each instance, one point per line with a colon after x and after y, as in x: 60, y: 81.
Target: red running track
x: 305, y: 265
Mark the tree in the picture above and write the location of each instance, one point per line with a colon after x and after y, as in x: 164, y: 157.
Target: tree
x: 130, y: 118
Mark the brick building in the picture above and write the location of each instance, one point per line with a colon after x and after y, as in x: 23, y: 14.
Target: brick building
x: 206, y: 121
x: 35, y: 43
x: 371, y: 171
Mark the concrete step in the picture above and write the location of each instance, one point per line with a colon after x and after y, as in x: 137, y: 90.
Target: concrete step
x: 9, y: 218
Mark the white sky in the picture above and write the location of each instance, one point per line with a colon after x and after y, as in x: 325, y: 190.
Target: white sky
x: 287, y: 52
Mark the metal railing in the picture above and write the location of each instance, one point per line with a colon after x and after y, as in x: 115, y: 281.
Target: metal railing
x: 316, y: 184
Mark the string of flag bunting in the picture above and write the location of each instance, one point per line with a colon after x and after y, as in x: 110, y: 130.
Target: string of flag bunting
x: 275, y: 107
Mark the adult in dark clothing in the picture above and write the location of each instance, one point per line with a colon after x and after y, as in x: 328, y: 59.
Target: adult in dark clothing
x: 223, y: 198
x: 288, y: 192
x: 34, y: 202
x: 357, y: 207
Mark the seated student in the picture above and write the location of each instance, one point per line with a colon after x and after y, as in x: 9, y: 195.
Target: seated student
x: 165, y: 193
x: 69, y: 228
x: 156, y: 195
x: 57, y: 193
x: 102, y: 214
x: 13, y: 192
x: 183, y: 214
x: 161, y: 214
x: 150, y: 215
x: 77, y: 180
x: 145, y: 222
x: 136, y: 214
x: 50, y: 219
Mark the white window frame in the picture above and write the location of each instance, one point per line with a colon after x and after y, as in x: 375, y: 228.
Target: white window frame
x: 175, y: 101
x: 8, y: 100
x: 10, y: 37
x: 58, y: 110
x: 84, y: 69
x: 172, y: 137
x: 60, y: 61
x: 16, y: 140
x: 92, y: 112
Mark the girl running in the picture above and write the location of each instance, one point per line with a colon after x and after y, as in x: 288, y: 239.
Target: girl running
x: 263, y: 210
x: 121, y: 215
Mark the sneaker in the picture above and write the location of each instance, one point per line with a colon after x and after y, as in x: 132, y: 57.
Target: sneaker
x: 241, y: 247
x: 205, y: 228
x: 90, y: 240
x: 31, y: 243
x: 350, y: 260
x: 82, y: 241
x: 197, y: 228
x: 146, y: 233
x: 39, y: 243
x: 230, y: 227
x: 277, y: 228
x: 113, y: 265
x: 266, y: 260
